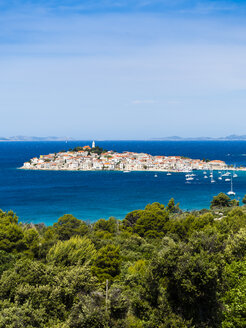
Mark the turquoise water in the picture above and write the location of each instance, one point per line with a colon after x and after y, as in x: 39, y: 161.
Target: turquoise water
x: 43, y: 196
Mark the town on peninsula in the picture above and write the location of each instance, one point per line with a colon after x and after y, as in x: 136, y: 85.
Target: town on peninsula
x: 94, y: 158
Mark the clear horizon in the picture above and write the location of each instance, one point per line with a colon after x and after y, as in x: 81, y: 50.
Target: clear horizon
x: 123, y: 70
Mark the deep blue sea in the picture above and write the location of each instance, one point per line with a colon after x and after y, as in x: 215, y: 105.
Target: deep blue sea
x: 44, y: 196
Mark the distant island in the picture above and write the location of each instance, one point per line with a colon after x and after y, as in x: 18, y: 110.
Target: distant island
x: 94, y: 158
x: 26, y: 138
x: 231, y: 137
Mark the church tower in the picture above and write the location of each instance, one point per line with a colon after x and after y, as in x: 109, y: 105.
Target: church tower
x: 93, y: 144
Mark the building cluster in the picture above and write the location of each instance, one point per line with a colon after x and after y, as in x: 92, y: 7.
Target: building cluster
x: 86, y: 160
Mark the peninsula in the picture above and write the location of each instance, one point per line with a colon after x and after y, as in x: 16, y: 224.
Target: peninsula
x: 94, y: 158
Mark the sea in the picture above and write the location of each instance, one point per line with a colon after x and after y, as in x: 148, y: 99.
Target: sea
x: 44, y: 196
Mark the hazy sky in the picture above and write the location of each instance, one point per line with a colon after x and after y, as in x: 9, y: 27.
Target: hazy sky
x: 104, y: 69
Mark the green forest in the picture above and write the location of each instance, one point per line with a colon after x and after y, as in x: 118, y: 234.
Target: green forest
x: 158, y: 267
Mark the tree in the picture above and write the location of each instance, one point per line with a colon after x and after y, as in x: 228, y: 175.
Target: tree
x: 236, y: 246
x: 172, y: 208
x: 19, y: 316
x: 32, y: 241
x: 6, y: 261
x: 11, y: 238
x: 77, y: 250
x: 221, y: 200
x: 88, y: 311
x: 149, y: 222
x: 109, y: 225
x: 244, y: 199
x: 186, y: 276
x: 8, y: 217
x: 68, y: 226
x: 234, y: 296
x: 106, y: 264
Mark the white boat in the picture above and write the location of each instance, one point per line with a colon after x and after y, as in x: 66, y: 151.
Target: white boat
x: 189, y: 178
x: 155, y: 175
x: 219, y: 178
x: 204, y: 172
x: 235, y: 175
x: 126, y: 171
x: 168, y: 173
x: 205, y: 176
x: 227, y: 179
x: 231, y: 192
x: 212, y: 180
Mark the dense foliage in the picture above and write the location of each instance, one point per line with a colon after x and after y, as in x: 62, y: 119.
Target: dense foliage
x: 95, y: 150
x: 159, y: 267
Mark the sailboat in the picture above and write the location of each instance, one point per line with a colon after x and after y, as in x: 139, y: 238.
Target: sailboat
x: 231, y: 192
x: 234, y: 173
x: 212, y: 177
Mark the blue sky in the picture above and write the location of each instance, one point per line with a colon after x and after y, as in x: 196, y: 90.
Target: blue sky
x: 122, y: 69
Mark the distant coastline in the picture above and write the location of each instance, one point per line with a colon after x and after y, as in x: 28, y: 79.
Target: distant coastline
x: 232, y: 137
x: 26, y: 138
